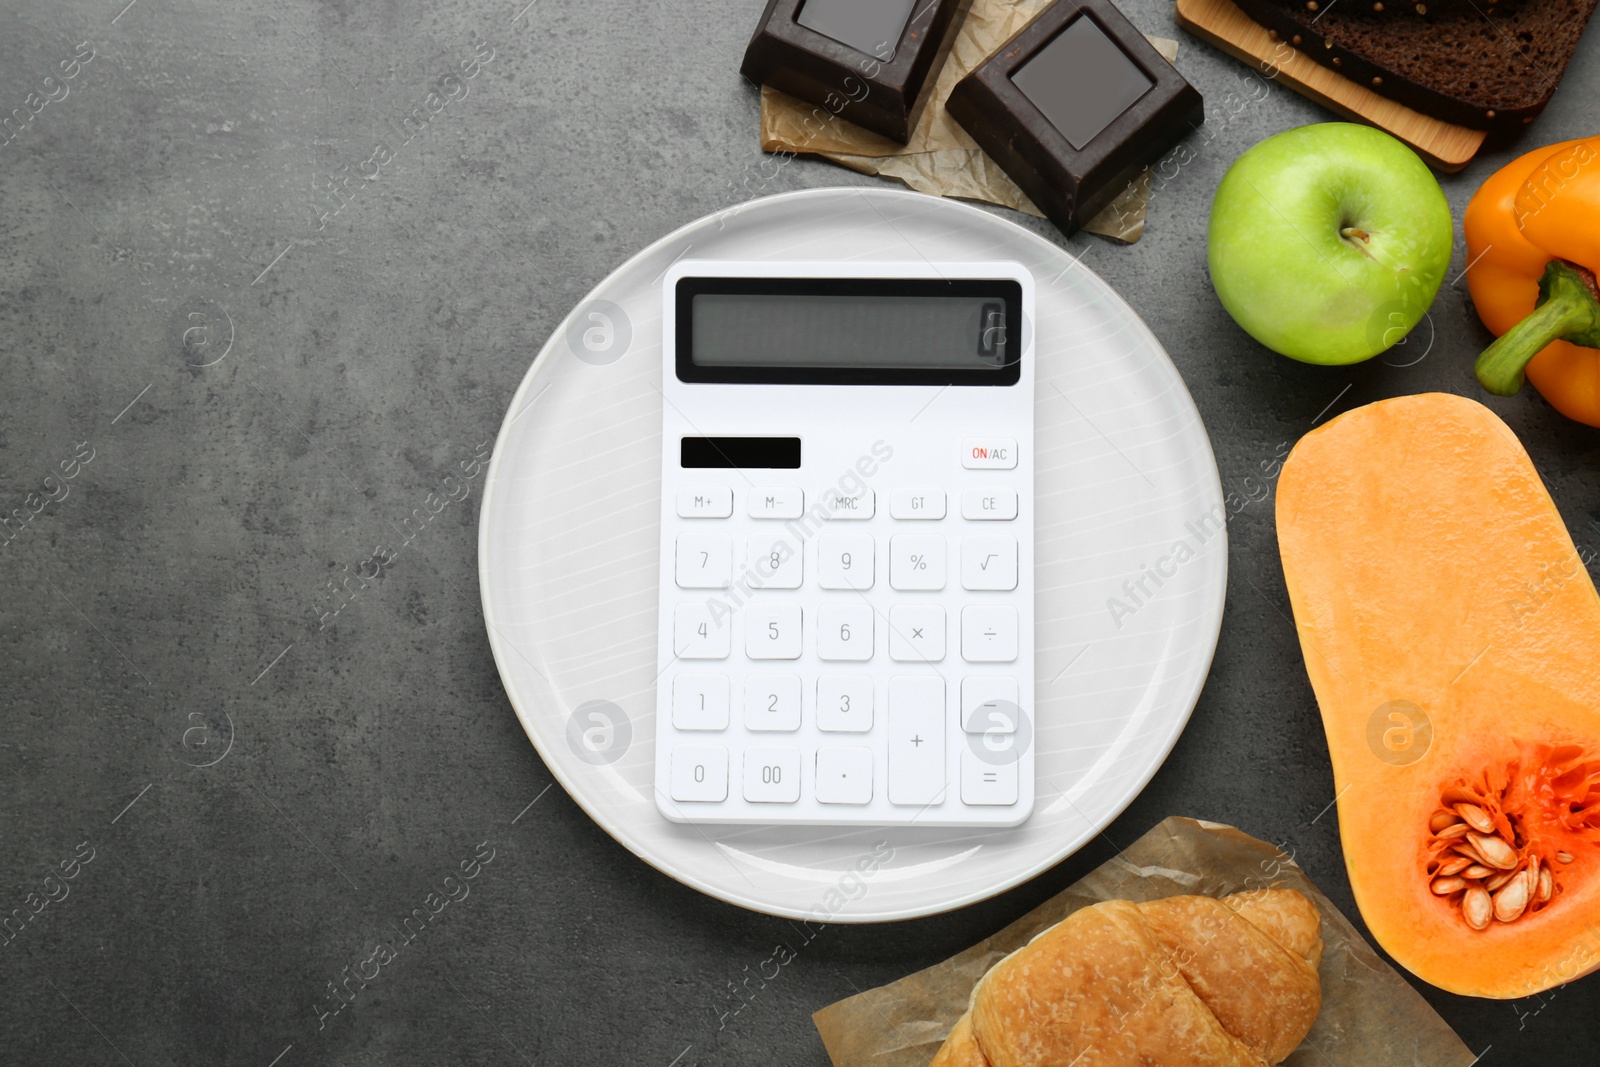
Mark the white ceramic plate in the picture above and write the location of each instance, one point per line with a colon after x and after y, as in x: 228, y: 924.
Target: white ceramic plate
x: 1126, y: 491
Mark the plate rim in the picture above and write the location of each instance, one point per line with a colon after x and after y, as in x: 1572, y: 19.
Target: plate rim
x: 1213, y: 608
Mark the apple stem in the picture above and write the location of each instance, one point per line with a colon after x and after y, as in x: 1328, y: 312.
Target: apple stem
x: 1568, y: 310
x: 1350, y: 233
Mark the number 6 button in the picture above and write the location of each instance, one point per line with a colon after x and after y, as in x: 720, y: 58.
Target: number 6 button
x: 844, y: 632
x: 772, y: 632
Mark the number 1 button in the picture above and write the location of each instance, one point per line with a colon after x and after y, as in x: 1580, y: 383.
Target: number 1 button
x: 772, y: 632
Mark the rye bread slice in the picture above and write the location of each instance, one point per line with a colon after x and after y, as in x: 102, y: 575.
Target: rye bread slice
x: 1487, y: 66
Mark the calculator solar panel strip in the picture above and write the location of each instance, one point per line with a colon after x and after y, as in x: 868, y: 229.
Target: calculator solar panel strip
x: 846, y: 583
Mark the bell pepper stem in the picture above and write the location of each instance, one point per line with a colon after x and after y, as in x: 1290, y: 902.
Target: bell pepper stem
x: 1567, y: 310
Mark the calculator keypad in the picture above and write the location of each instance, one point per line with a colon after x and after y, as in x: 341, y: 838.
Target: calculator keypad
x: 864, y: 665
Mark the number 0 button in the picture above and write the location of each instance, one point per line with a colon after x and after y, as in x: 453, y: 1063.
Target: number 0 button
x: 700, y: 774
x: 772, y: 775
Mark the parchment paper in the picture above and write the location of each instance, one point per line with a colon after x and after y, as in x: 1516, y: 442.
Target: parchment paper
x: 1370, y: 1015
x: 940, y: 158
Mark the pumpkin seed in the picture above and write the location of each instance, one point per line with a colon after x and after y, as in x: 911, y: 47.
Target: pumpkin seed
x: 1453, y: 865
x: 1442, y: 819
x: 1443, y: 887
x: 1494, y: 850
x: 1457, y: 795
x: 1547, y: 886
x: 1499, y: 880
x: 1564, y: 857
x: 1477, y: 871
x: 1450, y: 832
x: 1476, y: 817
x: 1477, y: 908
x: 1512, y: 901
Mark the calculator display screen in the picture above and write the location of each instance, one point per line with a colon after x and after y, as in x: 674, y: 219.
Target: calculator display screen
x: 849, y: 331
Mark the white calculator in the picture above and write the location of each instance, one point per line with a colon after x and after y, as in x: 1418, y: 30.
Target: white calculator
x: 846, y: 606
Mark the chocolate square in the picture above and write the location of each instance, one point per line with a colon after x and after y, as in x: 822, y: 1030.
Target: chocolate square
x: 1073, y: 106
x: 873, y: 62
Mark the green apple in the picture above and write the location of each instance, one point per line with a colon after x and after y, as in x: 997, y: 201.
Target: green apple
x: 1327, y: 243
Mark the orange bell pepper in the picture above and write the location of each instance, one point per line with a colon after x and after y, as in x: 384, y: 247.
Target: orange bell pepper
x: 1533, y: 249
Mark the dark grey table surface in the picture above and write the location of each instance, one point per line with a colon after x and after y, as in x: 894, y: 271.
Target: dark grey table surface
x: 165, y: 609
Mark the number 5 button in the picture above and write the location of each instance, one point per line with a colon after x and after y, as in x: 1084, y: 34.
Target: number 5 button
x: 772, y: 632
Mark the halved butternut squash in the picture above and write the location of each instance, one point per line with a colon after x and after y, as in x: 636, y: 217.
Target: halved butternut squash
x: 1452, y: 636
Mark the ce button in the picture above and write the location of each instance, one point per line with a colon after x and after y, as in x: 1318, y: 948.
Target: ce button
x: 999, y: 504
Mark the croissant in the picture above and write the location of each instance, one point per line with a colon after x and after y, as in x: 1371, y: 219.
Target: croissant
x: 1182, y: 982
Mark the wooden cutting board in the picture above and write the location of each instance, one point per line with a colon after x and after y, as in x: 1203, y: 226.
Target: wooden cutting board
x: 1442, y: 145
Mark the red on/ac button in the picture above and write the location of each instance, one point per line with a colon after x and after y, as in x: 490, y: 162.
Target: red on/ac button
x: 989, y: 453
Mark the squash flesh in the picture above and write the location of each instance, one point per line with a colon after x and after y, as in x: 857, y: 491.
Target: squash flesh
x: 1426, y: 563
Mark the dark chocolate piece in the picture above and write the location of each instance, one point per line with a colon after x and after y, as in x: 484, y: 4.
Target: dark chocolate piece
x: 873, y: 62
x: 1073, y: 106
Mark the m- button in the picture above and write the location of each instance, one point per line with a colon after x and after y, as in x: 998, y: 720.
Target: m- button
x: 989, y: 453
x: 776, y: 503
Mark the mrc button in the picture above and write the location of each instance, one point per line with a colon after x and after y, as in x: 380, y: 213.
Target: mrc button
x: 989, y: 453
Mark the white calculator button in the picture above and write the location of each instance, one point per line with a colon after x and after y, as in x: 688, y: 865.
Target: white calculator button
x: 989, y: 453
x: 772, y: 703
x: 989, y: 705
x: 989, y: 504
x: 766, y: 502
x: 989, y: 562
x: 987, y: 783
x: 917, y: 503
x: 844, y: 703
x: 845, y: 561
x: 916, y: 561
x: 844, y: 632
x: 916, y: 634
x: 844, y: 775
x: 696, y: 635
x: 772, y: 775
x: 774, y: 562
x: 772, y: 631
x: 712, y: 502
x: 916, y: 740
x: 705, y: 561
x: 700, y: 773
x: 860, y: 504
x: 989, y: 634
x: 700, y: 702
